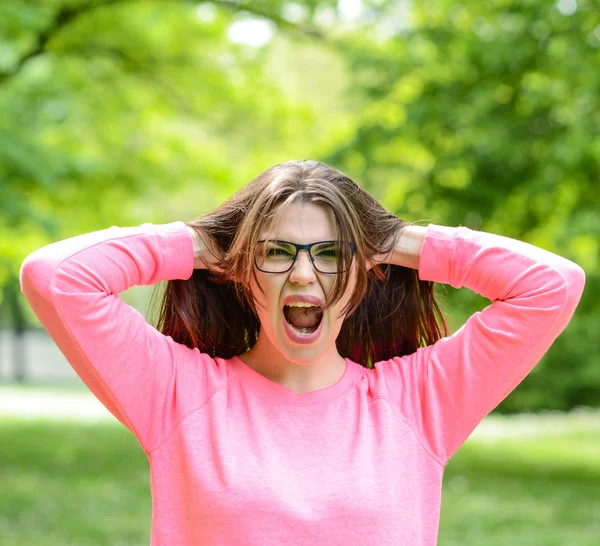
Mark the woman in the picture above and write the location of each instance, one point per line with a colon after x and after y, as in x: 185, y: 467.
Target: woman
x: 265, y: 422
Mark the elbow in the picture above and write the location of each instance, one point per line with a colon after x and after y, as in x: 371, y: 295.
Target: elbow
x: 35, y: 276
x: 574, y: 282
x: 574, y: 276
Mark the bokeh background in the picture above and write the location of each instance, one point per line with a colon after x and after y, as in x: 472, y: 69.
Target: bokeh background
x: 482, y: 114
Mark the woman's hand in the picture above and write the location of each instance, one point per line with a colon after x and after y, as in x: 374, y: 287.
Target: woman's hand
x: 206, y: 251
x: 407, y: 248
x: 383, y: 258
x: 376, y: 260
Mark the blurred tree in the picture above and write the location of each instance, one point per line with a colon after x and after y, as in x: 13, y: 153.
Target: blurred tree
x: 460, y: 113
x: 486, y: 115
x: 111, y: 110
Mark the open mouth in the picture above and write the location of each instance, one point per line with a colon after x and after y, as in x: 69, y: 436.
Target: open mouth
x: 304, y: 320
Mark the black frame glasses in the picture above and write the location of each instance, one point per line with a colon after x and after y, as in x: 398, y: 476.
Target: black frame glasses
x: 308, y: 249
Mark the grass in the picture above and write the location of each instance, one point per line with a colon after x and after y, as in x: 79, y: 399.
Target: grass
x: 535, y: 491
x: 65, y: 484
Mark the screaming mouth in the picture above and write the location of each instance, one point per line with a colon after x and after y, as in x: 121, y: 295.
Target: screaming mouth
x: 304, y: 320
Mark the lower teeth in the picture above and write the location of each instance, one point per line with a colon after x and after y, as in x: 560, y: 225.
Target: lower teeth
x: 303, y: 330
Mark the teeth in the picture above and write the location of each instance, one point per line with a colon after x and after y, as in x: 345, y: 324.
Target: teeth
x: 301, y: 304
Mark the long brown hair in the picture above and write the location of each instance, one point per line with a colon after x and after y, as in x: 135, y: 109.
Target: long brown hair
x: 390, y: 313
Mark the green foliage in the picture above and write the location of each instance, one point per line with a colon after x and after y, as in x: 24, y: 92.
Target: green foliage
x: 486, y: 115
x: 115, y: 112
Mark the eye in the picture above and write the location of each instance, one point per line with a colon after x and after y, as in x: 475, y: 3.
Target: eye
x: 327, y: 252
x: 277, y: 252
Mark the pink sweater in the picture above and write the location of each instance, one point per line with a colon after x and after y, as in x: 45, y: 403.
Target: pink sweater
x: 236, y: 459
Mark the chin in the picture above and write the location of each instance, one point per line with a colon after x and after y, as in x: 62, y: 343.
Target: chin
x: 301, y: 353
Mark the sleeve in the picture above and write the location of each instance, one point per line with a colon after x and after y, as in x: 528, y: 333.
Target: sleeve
x: 145, y: 379
x: 443, y: 391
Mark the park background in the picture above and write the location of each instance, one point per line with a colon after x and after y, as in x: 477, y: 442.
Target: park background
x: 481, y: 114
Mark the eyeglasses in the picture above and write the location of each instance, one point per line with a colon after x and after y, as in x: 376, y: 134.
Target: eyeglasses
x: 275, y: 256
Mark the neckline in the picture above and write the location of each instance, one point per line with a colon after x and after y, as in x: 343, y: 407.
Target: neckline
x: 275, y: 391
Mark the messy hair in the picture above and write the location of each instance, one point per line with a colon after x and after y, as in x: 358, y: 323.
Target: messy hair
x: 391, y: 312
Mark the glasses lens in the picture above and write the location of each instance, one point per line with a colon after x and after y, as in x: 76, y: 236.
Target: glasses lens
x: 277, y: 257
x: 327, y: 255
x: 274, y: 257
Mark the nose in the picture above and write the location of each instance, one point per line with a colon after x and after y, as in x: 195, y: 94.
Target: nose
x: 303, y: 271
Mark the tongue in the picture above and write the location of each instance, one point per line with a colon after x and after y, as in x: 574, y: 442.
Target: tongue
x: 303, y: 317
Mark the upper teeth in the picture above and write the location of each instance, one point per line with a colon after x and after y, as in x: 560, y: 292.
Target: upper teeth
x: 301, y: 304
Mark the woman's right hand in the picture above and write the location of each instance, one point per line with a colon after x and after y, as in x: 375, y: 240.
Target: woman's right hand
x: 206, y: 251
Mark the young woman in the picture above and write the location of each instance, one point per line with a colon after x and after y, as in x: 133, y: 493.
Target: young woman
x: 298, y: 389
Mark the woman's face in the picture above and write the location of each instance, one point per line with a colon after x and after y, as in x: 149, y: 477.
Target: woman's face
x: 302, y: 224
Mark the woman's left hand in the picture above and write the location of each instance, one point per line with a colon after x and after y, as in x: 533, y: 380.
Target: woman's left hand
x: 378, y: 259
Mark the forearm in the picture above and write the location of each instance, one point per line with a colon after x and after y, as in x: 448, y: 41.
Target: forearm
x: 201, y: 249
x: 408, y: 247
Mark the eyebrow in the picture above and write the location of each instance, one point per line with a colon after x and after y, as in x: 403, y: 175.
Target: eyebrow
x: 286, y: 241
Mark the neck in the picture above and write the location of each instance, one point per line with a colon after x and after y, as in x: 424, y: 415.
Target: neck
x: 301, y: 375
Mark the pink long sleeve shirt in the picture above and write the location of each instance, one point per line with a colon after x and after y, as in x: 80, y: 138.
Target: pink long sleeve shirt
x: 236, y: 459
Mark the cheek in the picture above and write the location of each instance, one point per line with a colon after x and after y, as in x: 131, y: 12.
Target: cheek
x: 266, y: 302
x: 335, y: 317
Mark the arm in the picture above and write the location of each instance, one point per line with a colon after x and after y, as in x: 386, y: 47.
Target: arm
x: 145, y: 379
x: 202, y: 247
x: 206, y: 249
x: 444, y: 390
x: 406, y: 251
x: 408, y: 247
x: 198, y: 248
